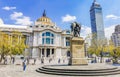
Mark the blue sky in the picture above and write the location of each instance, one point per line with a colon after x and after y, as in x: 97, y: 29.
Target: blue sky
x: 78, y: 10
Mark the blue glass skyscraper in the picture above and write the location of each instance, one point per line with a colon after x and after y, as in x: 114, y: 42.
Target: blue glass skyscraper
x: 96, y: 17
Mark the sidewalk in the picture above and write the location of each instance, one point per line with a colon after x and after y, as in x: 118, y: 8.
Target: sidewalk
x: 17, y: 71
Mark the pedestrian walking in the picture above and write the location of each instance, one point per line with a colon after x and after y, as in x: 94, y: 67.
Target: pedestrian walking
x: 50, y: 60
x: 34, y: 61
x: 13, y: 60
x: 5, y: 61
x: 59, y: 60
x: 42, y: 60
x: 63, y: 61
x: 24, y: 65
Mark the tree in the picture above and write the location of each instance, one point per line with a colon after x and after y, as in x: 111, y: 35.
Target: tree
x: 4, y: 47
x: 114, y: 51
x: 17, y: 43
x: 11, y: 44
x: 110, y: 47
x: 118, y: 51
x: 97, y: 46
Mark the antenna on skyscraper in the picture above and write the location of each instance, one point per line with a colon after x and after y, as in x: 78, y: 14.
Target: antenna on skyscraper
x: 94, y: 0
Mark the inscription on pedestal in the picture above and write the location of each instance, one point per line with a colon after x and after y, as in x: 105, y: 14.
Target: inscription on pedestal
x: 77, y: 48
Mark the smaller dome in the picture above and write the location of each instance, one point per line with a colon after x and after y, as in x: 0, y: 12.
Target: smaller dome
x: 1, y: 21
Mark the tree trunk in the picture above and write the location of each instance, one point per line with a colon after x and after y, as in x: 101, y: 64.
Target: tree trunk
x: 101, y: 60
x: 2, y: 57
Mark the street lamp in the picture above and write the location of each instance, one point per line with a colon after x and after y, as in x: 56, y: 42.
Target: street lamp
x: 101, y: 53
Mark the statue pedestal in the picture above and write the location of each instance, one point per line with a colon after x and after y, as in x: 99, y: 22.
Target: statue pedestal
x: 77, y: 51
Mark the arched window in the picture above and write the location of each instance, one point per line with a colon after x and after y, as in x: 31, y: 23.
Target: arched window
x: 47, y: 38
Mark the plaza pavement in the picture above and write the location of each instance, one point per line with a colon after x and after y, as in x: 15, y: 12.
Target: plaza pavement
x: 17, y: 71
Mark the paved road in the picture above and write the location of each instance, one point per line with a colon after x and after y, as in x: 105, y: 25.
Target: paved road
x: 16, y: 71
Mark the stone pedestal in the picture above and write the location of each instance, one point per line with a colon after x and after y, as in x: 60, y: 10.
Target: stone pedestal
x: 77, y: 51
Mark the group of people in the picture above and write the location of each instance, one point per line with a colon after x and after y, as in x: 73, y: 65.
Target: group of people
x: 12, y: 60
x: 25, y: 61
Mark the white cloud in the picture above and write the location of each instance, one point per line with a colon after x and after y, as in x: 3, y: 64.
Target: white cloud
x: 68, y: 18
x: 111, y: 16
x: 8, y: 8
x: 1, y: 21
x: 109, y: 30
x: 24, y: 21
x: 85, y: 31
x: 16, y: 15
x: 20, y: 18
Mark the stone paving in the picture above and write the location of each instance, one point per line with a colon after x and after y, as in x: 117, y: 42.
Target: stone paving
x: 16, y: 71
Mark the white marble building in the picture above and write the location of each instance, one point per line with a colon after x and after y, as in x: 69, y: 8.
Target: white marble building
x: 45, y: 39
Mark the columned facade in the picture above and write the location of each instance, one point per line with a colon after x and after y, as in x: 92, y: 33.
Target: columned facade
x: 47, y: 52
x: 45, y: 40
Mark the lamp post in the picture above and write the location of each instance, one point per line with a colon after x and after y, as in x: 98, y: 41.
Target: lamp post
x: 101, y: 53
x: 86, y: 49
x: 115, y: 61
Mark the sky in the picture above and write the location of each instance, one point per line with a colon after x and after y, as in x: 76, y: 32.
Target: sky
x: 62, y: 12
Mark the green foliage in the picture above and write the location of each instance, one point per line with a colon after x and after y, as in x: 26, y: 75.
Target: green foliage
x: 97, y: 45
x: 11, y: 44
x: 118, y: 51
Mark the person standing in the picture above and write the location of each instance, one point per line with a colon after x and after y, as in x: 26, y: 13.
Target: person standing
x: 59, y: 60
x: 5, y: 60
x: 42, y: 60
x: 13, y: 60
x: 34, y: 60
x: 24, y: 65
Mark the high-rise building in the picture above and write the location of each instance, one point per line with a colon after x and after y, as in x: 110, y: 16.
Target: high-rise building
x: 116, y: 36
x: 96, y: 17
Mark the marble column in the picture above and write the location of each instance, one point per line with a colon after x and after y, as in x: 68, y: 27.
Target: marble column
x: 41, y: 52
x: 45, y: 52
x: 54, y: 52
x: 50, y: 52
x: 64, y: 40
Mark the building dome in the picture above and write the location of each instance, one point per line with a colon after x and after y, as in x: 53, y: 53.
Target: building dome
x: 44, y: 20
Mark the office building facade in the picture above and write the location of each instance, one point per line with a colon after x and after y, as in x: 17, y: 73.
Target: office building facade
x: 96, y: 18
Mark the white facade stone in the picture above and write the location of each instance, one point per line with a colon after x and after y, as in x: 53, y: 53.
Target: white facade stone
x: 54, y: 45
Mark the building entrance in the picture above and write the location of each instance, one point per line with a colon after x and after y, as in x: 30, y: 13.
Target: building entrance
x: 47, y: 52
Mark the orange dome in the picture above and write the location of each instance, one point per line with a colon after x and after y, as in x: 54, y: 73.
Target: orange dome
x: 45, y: 20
